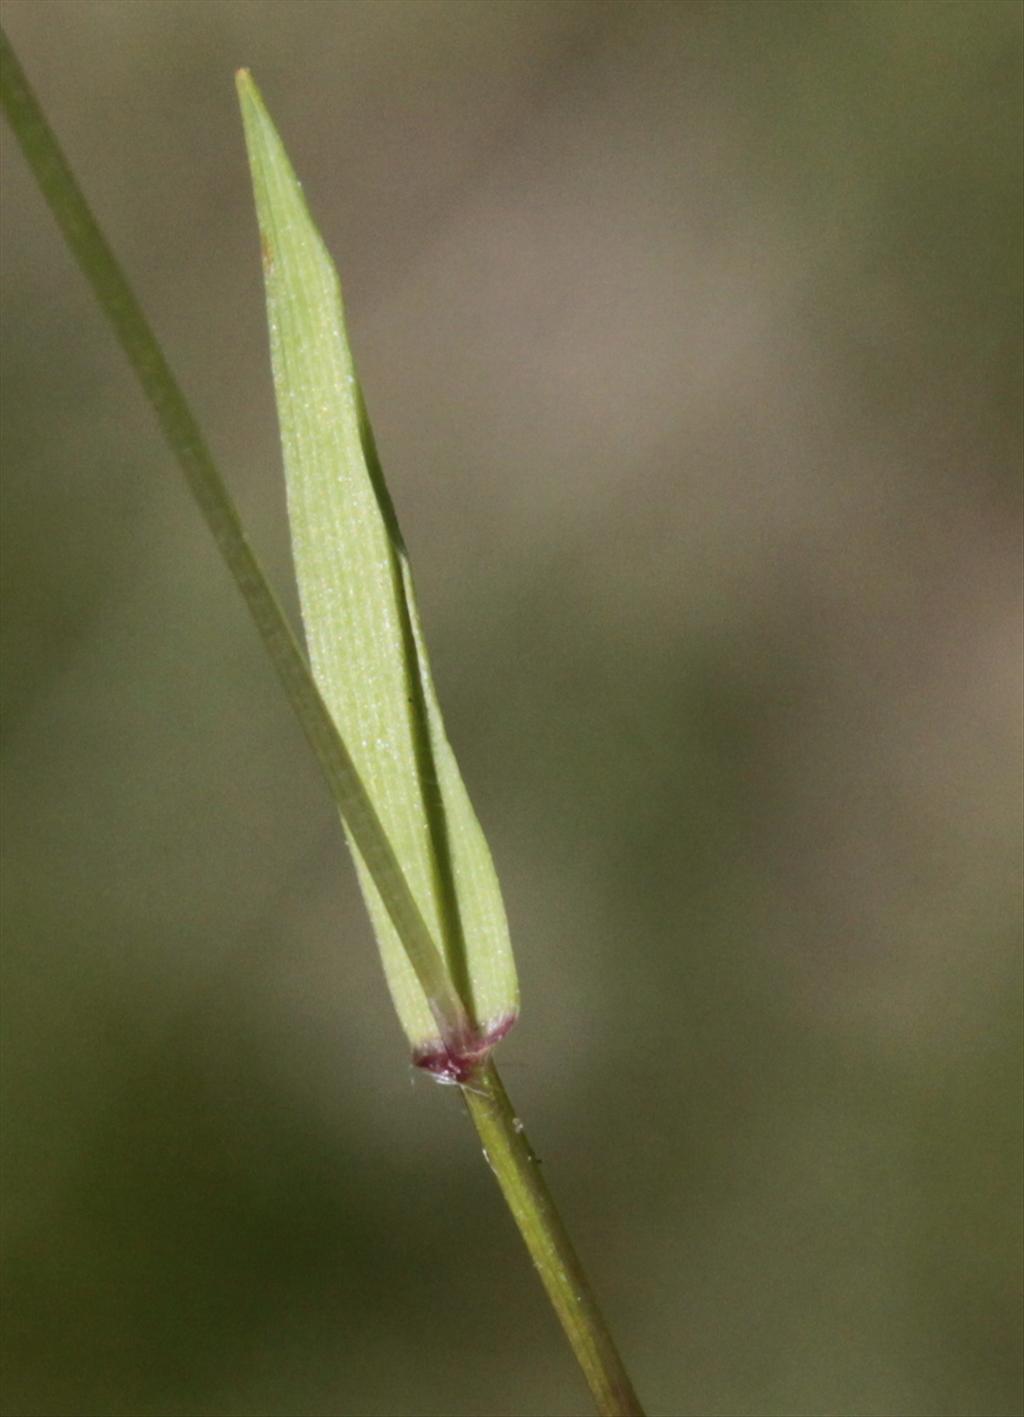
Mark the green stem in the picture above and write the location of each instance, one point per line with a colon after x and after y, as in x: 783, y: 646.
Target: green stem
x: 517, y: 1170
x: 504, y: 1141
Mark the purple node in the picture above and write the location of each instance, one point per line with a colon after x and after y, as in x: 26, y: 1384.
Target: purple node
x: 454, y: 1061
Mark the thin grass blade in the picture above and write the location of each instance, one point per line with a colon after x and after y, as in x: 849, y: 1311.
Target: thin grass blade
x: 364, y: 634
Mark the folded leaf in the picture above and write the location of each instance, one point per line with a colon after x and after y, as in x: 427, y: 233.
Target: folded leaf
x: 365, y: 641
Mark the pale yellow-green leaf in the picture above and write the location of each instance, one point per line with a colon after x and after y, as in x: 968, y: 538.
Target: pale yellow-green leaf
x: 362, y: 626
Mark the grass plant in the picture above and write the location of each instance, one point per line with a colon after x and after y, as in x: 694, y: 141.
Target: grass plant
x: 366, y: 702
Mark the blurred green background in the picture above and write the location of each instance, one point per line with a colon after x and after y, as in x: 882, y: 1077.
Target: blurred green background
x: 691, y: 334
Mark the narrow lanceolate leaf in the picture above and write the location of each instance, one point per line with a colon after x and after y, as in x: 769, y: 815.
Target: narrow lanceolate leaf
x: 367, y: 651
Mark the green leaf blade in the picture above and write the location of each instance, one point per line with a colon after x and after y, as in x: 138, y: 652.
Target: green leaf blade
x: 363, y: 630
